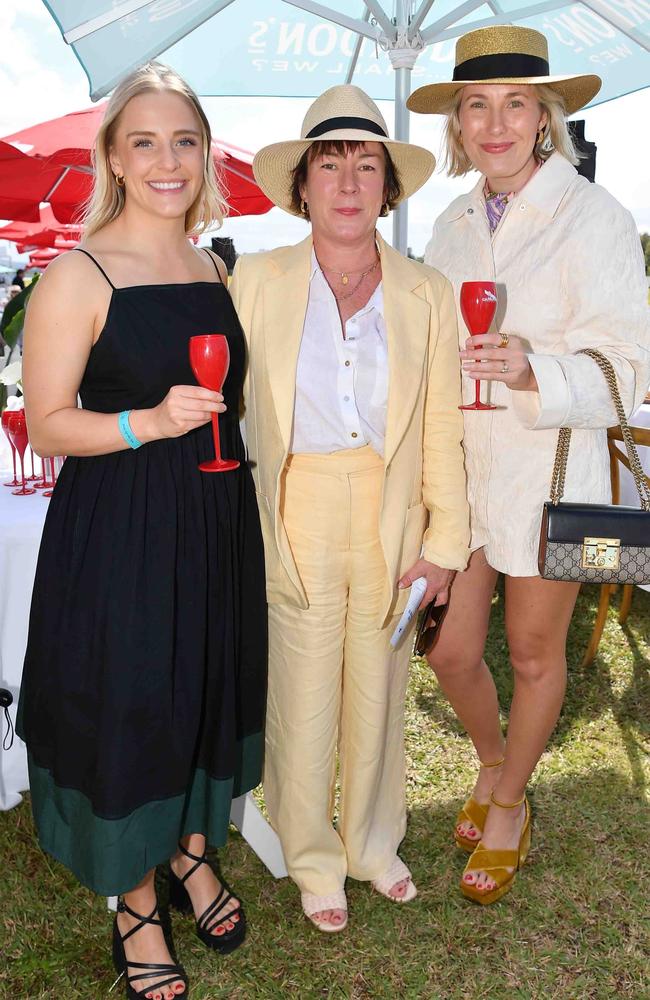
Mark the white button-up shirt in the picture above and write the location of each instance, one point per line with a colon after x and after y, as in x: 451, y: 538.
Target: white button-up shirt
x: 341, y: 382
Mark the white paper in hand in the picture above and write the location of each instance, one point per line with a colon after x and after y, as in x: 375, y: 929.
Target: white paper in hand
x: 418, y: 588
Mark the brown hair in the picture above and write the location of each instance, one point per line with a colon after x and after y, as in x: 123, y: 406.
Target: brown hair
x: 393, y: 190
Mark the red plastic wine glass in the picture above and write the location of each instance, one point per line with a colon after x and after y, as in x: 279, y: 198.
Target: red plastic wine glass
x: 49, y: 492
x: 17, y: 428
x: 210, y: 360
x: 5, y: 426
x: 478, y: 303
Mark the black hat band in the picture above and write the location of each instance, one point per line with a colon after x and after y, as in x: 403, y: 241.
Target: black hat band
x: 501, y: 64
x: 330, y: 124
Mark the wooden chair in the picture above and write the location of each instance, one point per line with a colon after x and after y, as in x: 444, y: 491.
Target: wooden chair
x: 617, y: 454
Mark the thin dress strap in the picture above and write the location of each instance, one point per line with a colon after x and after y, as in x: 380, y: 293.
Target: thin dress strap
x: 97, y: 265
x: 215, y: 264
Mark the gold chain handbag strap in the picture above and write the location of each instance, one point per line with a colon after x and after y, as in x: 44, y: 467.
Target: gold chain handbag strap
x: 564, y: 439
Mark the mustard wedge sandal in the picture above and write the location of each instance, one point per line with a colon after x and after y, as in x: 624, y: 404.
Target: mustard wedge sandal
x: 473, y: 812
x: 496, y: 862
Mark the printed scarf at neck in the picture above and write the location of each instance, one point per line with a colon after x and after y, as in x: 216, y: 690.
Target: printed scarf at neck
x: 495, y: 205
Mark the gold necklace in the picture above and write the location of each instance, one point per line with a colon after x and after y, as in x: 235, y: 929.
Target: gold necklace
x: 345, y: 275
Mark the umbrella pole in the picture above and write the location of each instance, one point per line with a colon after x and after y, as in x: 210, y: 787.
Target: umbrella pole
x: 402, y: 91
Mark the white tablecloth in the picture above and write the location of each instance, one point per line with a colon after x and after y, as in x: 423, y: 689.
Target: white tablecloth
x: 21, y: 524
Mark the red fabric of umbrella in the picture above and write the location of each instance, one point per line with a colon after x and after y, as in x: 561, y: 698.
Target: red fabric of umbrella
x: 51, y: 162
x: 41, y: 258
x: 47, y: 232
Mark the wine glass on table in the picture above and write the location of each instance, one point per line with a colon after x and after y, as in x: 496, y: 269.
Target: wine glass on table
x: 210, y: 360
x: 50, y: 491
x: 17, y: 430
x: 478, y: 303
x: 5, y: 426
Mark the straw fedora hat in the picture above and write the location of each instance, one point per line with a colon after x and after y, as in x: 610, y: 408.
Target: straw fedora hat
x: 343, y: 112
x: 503, y: 54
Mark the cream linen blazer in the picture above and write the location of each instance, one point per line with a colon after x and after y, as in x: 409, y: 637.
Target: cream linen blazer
x: 424, y: 504
x: 568, y: 265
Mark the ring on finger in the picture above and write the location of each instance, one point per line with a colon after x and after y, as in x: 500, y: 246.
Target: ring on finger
x: 505, y: 339
x: 504, y: 368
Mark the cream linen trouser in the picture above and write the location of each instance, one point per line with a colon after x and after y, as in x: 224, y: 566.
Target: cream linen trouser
x: 334, y: 680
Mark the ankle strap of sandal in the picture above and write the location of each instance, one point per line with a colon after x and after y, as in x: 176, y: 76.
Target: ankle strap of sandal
x: 508, y: 805
x: 123, y: 907
x: 494, y: 763
x: 198, y: 861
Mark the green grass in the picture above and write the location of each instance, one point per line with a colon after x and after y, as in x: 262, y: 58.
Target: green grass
x: 575, y: 925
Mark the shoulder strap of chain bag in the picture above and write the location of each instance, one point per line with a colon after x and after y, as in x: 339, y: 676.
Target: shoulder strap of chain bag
x: 564, y: 439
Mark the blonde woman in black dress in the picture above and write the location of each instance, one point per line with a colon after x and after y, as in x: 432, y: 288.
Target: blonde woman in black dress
x: 143, y: 695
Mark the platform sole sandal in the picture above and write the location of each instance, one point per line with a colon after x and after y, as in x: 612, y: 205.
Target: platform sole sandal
x: 398, y: 872
x: 213, y: 916
x: 312, y: 904
x: 160, y: 974
x: 496, y: 863
x: 475, y: 813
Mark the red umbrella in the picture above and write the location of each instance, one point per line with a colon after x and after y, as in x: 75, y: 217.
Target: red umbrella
x: 51, y: 162
x: 47, y: 232
x: 41, y: 258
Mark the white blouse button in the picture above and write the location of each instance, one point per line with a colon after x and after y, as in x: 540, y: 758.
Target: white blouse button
x: 470, y: 211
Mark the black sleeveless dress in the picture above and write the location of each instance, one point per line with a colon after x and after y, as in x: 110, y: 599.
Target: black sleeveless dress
x: 144, y: 685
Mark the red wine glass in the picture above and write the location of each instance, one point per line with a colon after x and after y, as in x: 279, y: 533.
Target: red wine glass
x: 5, y: 425
x: 17, y: 428
x: 210, y: 360
x: 49, y: 492
x: 478, y: 303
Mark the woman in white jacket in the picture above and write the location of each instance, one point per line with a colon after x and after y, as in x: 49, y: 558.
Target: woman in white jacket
x: 567, y: 261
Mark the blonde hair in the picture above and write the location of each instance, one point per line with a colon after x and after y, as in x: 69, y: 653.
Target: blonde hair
x: 107, y: 199
x: 556, y: 135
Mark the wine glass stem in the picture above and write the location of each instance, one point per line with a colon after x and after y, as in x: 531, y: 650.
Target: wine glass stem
x: 13, y: 455
x: 478, y: 391
x: 215, y: 435
x: 22, y: 469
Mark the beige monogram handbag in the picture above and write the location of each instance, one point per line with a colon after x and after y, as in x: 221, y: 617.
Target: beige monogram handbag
x: 596, y: 543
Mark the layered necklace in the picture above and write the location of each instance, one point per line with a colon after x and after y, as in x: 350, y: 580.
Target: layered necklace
x: 344, y: 277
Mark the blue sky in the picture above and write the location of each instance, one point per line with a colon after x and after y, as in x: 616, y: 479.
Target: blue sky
x: 40, y: 79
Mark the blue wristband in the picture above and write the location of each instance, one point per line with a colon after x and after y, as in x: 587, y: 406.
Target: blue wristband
x: 125, y: 430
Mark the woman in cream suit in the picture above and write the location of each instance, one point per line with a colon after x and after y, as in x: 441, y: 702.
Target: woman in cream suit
x: 354, y: 434
x: 567, y: 261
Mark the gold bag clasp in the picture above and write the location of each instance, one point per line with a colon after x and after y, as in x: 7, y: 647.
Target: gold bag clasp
x: 601, y: 553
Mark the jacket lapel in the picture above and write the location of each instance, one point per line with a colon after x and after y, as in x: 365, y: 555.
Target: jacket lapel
x: 285, y: 305
x: 407, y: 315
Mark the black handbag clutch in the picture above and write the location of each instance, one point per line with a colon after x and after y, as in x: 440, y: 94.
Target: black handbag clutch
x: 596, y: 543
x: 428, y: 625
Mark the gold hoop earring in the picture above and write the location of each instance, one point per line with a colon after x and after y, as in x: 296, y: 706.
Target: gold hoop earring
x: 119, y: 180
x: 540, y: 137
x: 460, y: 139
x: 304, y: 209
x: 385, y: 210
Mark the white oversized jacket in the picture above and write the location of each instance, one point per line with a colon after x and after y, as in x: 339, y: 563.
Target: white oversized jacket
x: 569, y: 269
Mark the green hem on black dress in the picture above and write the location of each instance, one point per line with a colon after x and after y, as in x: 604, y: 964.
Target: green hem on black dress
x: 112, y: 856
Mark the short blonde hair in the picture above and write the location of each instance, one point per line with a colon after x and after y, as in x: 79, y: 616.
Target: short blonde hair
x: 107, y: 198
x: 556, y: 134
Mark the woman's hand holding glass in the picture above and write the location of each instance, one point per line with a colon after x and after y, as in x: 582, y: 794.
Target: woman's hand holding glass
x: 497, y: 358
x: 438, y: 581
x: 184, y: 408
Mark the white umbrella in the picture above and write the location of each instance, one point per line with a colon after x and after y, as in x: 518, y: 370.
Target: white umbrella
x: 300, y: 47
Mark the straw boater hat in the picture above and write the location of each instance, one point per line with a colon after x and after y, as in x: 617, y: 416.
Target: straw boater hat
x: 343, y: 112
x: 503, y: 54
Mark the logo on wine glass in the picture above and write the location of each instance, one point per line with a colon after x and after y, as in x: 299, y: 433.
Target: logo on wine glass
x: 210, y: 360
x: 478, y: 303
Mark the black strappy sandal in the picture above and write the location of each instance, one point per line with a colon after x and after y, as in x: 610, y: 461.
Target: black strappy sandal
x: 179, y: 898
x: 150, y: 970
